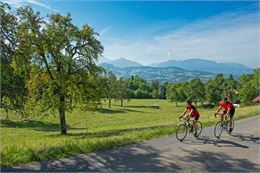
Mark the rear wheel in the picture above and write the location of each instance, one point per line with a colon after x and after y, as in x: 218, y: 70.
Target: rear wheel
x: 218, y: 129
x: 198, y: 129
x: 181, y: 132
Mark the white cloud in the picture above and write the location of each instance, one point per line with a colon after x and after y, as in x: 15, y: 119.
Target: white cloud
x: 104, y: 31
x: 227, y: 37
x: 19, y: 3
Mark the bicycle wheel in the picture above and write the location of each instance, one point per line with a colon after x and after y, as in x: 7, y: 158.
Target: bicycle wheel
x: 181, y: 132
x: 198, y: 129
x: 218, y: 129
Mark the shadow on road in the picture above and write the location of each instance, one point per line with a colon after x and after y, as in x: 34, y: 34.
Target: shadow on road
x: 218, y: 162
x: 141, y: 158
x: 246, y: 137
x: 135, y: 158
x: 202, y: 140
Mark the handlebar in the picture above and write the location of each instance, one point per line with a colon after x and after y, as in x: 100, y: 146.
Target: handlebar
x: 215, y: 114
x: 182, y: 119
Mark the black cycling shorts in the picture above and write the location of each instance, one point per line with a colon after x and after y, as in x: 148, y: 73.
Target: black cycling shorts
x: 231, y: 113
x: 196, y: 118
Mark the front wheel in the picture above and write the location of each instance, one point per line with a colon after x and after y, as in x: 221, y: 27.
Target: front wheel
x: 218, y: 129
x: 198, y: 129
x: 181, y: 132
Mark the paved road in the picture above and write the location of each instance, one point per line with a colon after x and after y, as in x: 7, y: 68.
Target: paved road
x: 237, y: 153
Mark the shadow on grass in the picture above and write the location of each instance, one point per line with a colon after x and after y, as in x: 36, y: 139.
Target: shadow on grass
x: 138, y: 106
x: 118, y: 111
x: 112, y: 132
x: 34, y: 125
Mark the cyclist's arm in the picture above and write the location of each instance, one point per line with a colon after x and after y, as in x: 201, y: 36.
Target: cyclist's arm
x: 184, y: 112
x: 189, y: 115
x: 220, y: 107
x: 191, y: 112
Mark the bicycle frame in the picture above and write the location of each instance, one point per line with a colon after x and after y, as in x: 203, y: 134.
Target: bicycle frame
x: 186, y: 121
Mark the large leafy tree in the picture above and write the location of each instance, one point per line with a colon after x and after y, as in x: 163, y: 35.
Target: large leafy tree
x: 60, y: 60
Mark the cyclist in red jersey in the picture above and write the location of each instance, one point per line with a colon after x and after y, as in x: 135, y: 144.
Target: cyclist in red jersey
x: 229, y: 109
x: 192, y: 112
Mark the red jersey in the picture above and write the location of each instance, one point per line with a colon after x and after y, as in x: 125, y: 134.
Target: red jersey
x: 195, y: 112
x: 227, y: 105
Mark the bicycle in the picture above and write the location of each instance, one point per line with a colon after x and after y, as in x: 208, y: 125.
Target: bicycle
x: 221, y: 125
x: 186, y: 125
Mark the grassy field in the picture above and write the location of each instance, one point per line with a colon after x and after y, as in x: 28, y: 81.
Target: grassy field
x: 25, y: 141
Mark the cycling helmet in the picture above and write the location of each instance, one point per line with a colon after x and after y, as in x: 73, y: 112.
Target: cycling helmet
x: 188, y: 101
x: 225, y: 98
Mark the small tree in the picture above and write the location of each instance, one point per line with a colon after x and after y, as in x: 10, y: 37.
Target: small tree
x: 249, y: 87
x: 172, y: 93
x: 230, y: 87
x: 111, y: 88
x: 213, y: 94
x: 123, y: 91
x: 196, y: 90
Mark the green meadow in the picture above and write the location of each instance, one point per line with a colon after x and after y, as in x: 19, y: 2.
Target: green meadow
x: 39, y: 139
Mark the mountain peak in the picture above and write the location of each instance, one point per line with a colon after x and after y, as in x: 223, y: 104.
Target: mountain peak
x: 123, y: 62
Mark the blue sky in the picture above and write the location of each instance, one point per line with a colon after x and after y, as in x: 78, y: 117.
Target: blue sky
x: 155, y: 31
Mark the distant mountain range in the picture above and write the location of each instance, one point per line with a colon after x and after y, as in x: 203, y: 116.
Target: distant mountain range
x: 208, y: 66
x: 174, y: 71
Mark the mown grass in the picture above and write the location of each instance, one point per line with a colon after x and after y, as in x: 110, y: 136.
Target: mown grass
x: 25, y: 141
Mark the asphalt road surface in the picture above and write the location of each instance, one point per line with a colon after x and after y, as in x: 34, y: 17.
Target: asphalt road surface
x: 239, y: 152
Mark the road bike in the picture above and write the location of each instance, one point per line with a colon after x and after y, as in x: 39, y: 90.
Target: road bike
x: 187, y: 125
x: 223, y: 124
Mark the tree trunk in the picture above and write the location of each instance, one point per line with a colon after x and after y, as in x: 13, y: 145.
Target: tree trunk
x: 176, y: 103
x: 121, y: 102
x: 63, y: 126
x: 7, y: 115
x: 70, y: 104
x: 1, y: 105
x: 109, y: 103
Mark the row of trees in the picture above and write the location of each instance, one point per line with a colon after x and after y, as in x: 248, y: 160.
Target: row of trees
x: 134, y: 87
x: 244, y: 89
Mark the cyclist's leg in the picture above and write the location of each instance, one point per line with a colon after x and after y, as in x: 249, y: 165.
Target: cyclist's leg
x: 196, y: 118
x: 223, y: 115
x: 231, y: 115
x: 192, y: 125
